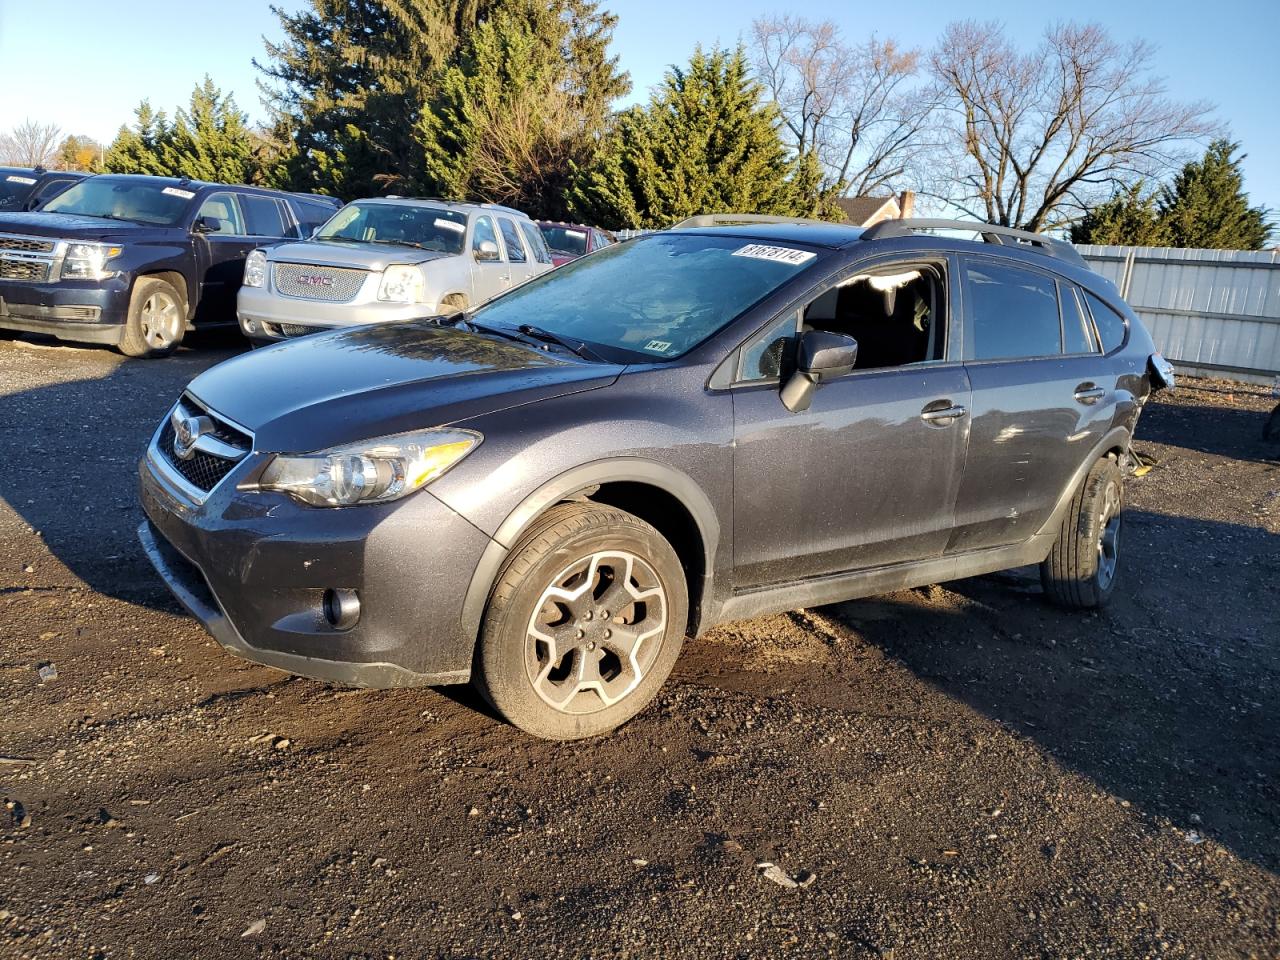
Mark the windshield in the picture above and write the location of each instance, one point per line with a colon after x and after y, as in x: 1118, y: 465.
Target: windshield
x: 139, y: 201
x: 658, y: 296
x: 428, y: 228
x: 568, y: 240
x: 15, y: 185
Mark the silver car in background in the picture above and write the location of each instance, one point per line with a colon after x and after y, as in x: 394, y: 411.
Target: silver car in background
x: 388, y: 259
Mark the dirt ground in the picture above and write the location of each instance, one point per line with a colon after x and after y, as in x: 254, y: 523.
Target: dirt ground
x: 958, y: 771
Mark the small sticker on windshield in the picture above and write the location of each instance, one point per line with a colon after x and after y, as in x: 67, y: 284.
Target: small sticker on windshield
x: 444, y: 224
x: 175, y: 192
x: 658, y: 346
x: 14, y: 178
x: 760, y: 251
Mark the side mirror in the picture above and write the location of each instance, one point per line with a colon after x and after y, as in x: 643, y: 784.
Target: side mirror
x: 821, y: 356
x: 206, y: 225
x: 488, y: 250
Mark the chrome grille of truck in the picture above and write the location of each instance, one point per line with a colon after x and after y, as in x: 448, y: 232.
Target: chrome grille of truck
x: 30, y: 269
x: 9, y: 241
x: 307, y: 281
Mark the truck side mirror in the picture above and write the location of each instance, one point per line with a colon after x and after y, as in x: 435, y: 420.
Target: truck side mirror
x: 207, y: 225
x: 487, y: 250
x: 822, y: 356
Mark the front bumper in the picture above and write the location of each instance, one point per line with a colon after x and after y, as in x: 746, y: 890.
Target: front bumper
x: 81, y: 311
x: 262, y: 312
x: 253, y: 569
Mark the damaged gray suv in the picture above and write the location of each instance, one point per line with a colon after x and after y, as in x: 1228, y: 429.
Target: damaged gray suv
x: 547, y: 495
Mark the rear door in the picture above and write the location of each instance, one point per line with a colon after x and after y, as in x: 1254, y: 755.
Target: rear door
x: 518, y: 258
x: 1042, y: 399
x: 490, y: 272
x: 536, y: 244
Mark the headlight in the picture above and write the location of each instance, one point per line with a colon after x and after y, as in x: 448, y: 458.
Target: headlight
x: 372, y: 472
x: 401, y: 283
x: 255, y: 269
x: 87, y: 261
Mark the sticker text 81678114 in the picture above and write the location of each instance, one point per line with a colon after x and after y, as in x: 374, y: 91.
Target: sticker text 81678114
x: 761, y: 251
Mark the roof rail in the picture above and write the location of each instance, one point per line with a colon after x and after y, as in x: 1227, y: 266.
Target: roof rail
x: 727, y: 219
x: 991, y: 233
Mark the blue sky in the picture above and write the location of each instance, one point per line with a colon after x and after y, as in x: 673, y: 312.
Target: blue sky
x: 84, y: 66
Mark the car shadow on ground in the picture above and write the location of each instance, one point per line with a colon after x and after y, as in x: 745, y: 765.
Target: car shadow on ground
x: 1235, y: 432
x: 1167, y: 699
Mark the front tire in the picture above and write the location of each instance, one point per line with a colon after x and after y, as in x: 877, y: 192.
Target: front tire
x: 157, y: 319
x: 1081, y: 569
x: 584, y: 624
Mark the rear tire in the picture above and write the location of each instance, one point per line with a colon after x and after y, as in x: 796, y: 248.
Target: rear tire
x: 1083, y: 566
x: 584, y: 624
x: 157, y: 319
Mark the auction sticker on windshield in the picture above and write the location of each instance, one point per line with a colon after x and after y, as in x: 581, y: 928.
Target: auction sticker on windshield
x: 175, y: 192
x: 16, y: 179
x: 760, y: 251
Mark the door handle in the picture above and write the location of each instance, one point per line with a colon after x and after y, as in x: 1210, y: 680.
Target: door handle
x: 1089, y: 394
x: 930, y: 415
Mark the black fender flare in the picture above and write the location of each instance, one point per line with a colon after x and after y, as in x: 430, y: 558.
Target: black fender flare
x: 598, y: 472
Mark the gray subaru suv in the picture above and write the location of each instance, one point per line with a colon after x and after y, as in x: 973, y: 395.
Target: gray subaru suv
x: 737, y: 416
x: 388, y: 259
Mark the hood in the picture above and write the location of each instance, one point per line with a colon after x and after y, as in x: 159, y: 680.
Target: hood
x: 367, y: 256
x: 372, y: 381
x: 73, y: 226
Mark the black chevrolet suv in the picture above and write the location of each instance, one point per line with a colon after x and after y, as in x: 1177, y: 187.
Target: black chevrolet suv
x: 24, y: 188
x: 135, y: 261
x: 727, y: 419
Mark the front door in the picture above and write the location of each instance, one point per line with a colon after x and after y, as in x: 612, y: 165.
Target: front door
x: 490, y: 272
x: 868, y: 475
x: 222, y: 243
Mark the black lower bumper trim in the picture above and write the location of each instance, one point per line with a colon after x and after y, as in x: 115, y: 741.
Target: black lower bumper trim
x: 184, y: 579
x: 74, y: 330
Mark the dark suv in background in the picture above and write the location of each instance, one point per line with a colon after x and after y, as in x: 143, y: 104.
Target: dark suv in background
x: 135, y: 261
x: 24, y: 188
x: 730, y: 418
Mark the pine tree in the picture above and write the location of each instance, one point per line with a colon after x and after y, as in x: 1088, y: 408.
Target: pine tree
x: 140, y: 148
x: 1130, y: 218
x: 1206, y: 205
x: 704, y: 143
x: 349, y: 83
x: 211, y: 140
x: 523, y: 105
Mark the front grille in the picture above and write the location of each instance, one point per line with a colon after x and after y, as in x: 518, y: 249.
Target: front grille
x: 296, y: 329
x: 203, y: 470
x: 26, y: 244
x: 305, y: 281
x: 32, y: 271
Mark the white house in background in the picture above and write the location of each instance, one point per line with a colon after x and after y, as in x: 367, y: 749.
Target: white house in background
x: 865, y: 211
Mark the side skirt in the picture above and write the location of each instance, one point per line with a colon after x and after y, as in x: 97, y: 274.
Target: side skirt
x: 865, y: 583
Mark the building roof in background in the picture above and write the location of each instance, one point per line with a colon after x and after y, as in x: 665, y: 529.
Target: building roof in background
x: 864, y: 211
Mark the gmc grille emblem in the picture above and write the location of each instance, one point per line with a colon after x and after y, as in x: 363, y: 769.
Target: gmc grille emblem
x: 315, y: 280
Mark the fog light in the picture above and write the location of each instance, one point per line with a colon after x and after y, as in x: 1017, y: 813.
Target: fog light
x: 250, y: 326
x: 341, y: 608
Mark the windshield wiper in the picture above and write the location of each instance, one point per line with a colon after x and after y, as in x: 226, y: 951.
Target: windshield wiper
x: 546, y: 336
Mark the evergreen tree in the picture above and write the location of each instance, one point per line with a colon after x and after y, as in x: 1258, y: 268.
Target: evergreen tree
x: 704, y: 143
x: 1131, y: 217
x: 348, y: 85
x: 523, y: 105
x: 140, y: 148
x: 1206, y: 205
x: 211, y: 140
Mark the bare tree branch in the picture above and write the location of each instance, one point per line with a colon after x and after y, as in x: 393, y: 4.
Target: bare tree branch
x: 30, y: 144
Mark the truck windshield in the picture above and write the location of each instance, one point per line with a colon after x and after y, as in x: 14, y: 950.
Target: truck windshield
x: 427, y: 228
x: 15, y: 186
x: 116, y: 198
x: 657, y: 296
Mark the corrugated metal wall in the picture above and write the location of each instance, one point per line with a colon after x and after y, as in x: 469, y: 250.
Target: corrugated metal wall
x: 1208, y: 310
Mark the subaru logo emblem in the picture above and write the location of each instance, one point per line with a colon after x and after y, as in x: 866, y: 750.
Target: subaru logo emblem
x: 315, y: 280
x: 186, y: 431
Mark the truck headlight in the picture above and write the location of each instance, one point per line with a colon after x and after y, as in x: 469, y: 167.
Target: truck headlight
x: 372, y: 472
x: 401, y: 283
x: 255, y: 269
x: 88, y: 261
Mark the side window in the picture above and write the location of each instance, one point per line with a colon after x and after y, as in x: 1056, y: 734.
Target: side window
x: 223, y: 214
x: 263, y: 216
x: 310, y: 214
x: 511, y: 239
x: 533, y: 240
x: 1077, y: 332
x: 896, y: 312
x: 1111, y: 326
x: 1012, y: 313
x: 484, y: 232
x: 762, y: 357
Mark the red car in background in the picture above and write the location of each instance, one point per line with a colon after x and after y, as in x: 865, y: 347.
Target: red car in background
x: 569, y: 241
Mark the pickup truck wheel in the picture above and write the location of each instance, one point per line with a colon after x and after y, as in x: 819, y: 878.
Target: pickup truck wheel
x: 157, y: 319
x: 1081, y: 569
x: 584, y: 624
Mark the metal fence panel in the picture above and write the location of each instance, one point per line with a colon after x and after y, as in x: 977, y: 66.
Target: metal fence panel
x: 1209, y: 311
